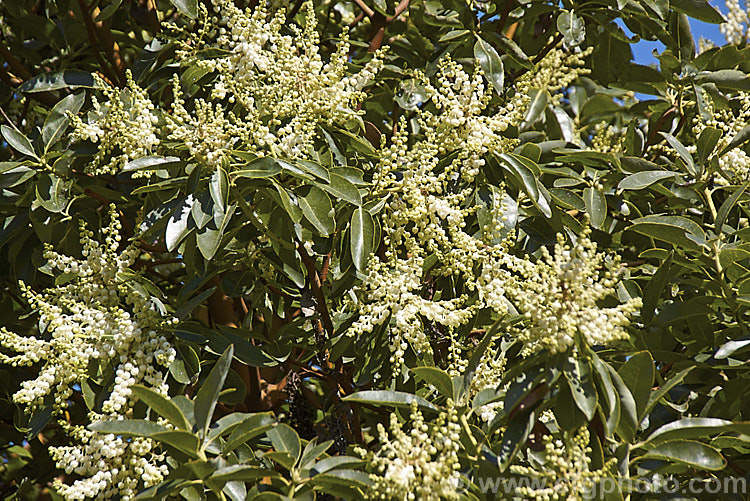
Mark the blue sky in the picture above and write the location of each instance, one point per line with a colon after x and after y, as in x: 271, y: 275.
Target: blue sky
x: 642, y: 51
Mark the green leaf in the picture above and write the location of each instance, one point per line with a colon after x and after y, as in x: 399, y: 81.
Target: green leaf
x: 696, y: 427
x: 312, y: 451
x: 411, y: 93
x: 209, y: 239
x: 177, y: 225
x: 259, y: 168
x: 515, y: 435
x: 437, y: 378
x: 248, y: 429
x: 509, y: 47
x: 654, y: 288
x: 151, y: 163
x: 285, y: 439
x: 707, y: 141
x: 682, y: 151
x: 572, y: 28
x: 219, y: 188
x: 644, y: 179
x: 57, y: 120
x: 698, y: 9
x: 180, y: 440
x: 387, y: 397
x: 208, y: 394
x: 723, y: 212
x: 65, y: 79
x: 361, y: 237
x: 657, y: 395
x: 629, y: 420
x: 730, y: 347
x: 638, y: 374
x: 187, y: 7
x: 491, y: 65
x: 689, y: 452
x: 578, y: 373
x: 596, y: 206
x: 244, y: 473
x: 317, y: 209
x: 738, y: 140
x: 18, y: 141
x: 725, y: 79
x: 672, y: 229
x: 341, y: 187
x: 128, y: 427
x: 165, y: 407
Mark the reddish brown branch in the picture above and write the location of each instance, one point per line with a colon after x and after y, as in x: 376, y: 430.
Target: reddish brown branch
x: 316, y: 286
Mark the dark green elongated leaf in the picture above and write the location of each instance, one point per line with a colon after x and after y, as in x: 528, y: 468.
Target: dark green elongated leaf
x: 57, y: 120
x: 387, y: 397
x: 209, y: 239
x: 353, y: 478
x: 248, y: 429
x: 536, y: 107
x: 654, y: 288
x: 208, y: 394
x: 242, y: 472
x: 258, y: 168
x: 361, y: 237
x: 723, y: 212
x: 725, y: 79
x: 730, y: 347
x: 638, y: 374
x: 187, y: 7
x: 341, y: 187
x: 698, y: 9
x: 18, y: 141
x: 128, y: 427
x: 578, y: 373
x: 177, y: 226
x: 596, y: 206
x: 312, y: 451
x: 682, y: 151
x: 219, y: 188
x: 657, y: 395
x: 644, y: 179
x: 509, y: 47
x: 65, y: 79
x: 180, y: 440
x: 515, y: 435
x: 285, y: 439
x: 738, y: 140
x: 437, y: 378
x: 689, y: 452
x: 165, y: 407
x: 51, y: 193
x: 611, y: 404
x: 334, y: 462
x: 491, y: 65
x: 629, y: 420
x: 317, y: 209
x: 707, y: 141
x: 149, y: 163
x: 672, y: 229
x: 696, y: 427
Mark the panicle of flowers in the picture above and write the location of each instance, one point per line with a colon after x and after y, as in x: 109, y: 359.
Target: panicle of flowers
x: 558, y: 70
x: 565, y: 469
x: 737, y: 28
x: 97, y: 317
x: 283, y: 89
x: 735, y: 164
x: 607, y: 139
x: 558, y: 297
x: 488, y: 375
x: 420, y: 463
x: 123, y: 126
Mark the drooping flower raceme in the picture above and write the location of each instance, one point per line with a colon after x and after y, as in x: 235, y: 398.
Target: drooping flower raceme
x: 94, y: 327
x: 737, y: 28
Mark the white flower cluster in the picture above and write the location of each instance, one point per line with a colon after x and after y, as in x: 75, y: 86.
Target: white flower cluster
x: 559, y: 69
x: 565, y: 469
x: 124, y: 127
x: 419, y: 464
x: 737, y: 28
x: 734, y: 164
x: 431, y: 195
x: 284, y: 88
x: 96, y: 319
x: 607, y: 139
x: 558, y: 297
x: 488, y: 375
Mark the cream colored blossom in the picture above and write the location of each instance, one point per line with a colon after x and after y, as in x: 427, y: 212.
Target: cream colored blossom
x: 737, y: 28
x: 123, y: 127
x: 419, y: 463
x: 565, y: 469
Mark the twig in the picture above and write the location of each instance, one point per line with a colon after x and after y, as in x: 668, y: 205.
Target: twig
x: 93, y: 39
x: 365, y: 8
x: 316, y: 287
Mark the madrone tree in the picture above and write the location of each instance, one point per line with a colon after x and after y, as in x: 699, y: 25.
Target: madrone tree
x: 410, y: 250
